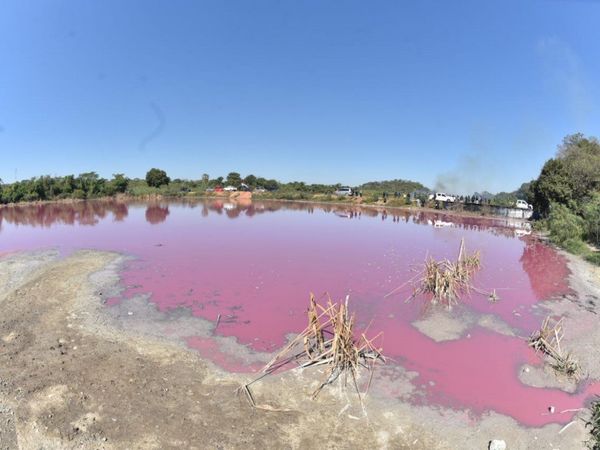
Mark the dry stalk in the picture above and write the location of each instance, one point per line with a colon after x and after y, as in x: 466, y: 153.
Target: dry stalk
x: 446, y: 281
x: 328, y: 341
x: 547, y: 340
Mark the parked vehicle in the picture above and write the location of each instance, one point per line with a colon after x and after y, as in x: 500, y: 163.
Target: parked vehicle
x: 230, y: 188
x: 344, y: 191
x: 522, y: 204
x: 441, y: 197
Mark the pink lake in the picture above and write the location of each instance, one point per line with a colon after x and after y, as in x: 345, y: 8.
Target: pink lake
x: 255, y: 265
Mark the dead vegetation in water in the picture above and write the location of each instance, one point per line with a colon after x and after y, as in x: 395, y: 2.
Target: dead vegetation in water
x: 547, y: 340
x: 445, y: 282
x: 328, y: 341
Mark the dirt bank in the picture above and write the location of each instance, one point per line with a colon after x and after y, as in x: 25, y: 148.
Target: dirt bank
x: 76, y: 374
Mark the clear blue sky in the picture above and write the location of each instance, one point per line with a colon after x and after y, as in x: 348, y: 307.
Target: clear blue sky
x: 476, y: 94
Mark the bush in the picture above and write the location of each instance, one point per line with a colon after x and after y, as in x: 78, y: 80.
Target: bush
x: 372, y: 198
x: 564, y: 225
x: 594, y: 258
x: 591, y: 216
x: 575, y: 246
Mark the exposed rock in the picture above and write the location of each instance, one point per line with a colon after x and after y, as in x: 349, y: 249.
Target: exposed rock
x: 497, y: 444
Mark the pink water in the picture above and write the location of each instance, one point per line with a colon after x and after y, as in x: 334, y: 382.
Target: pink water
x: 255, y: 265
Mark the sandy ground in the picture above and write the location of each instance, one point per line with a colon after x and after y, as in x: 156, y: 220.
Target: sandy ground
x: 75, y: 374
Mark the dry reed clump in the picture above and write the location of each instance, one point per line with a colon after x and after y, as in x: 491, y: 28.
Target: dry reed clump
x: 328, y: 341
x: 446, y: 281
x: 547, y: 341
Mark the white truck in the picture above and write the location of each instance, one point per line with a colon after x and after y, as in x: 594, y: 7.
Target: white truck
x: 522, y: 204
x: 441, y: 197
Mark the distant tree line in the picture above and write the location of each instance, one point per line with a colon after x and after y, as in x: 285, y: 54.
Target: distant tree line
x: 84, y: 186
x: 393, y: 186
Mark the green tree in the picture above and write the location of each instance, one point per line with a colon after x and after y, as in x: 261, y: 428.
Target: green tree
x: 157, y: 178
x: 90, y: 183
x: 119, y: 182
x: 581, y: 158
x: 67, y: 184
x: 205, y: 180
x: 250, y: 180
x: 552, y: 186
x: 271, y: 185
x: 234, y: 179
x: 525, y: 192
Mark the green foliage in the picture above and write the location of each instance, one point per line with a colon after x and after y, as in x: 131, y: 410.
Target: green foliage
x: 593, y: 423
x: 540, y: 225
x: 552, y: 186
x: 78, y: 194
x: 564, y: 225
x: 567, y: 192
x: 594, y: 258
x: 119, y: 183
x: 571, y: 177
x: 581, y: 157
x: 575, y: 246
x: 157, y: 178
x: 372, y: 198
x: 86, y: 185
x: 250, y: 180
x: 269, y: 185
x: 591, y: 217
x: 391, y: 186
x: 525, y: 192
x: 506, y: 199
x: 234, y: 179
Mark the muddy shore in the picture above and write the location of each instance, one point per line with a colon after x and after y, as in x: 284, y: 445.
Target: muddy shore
x: 76, y: 374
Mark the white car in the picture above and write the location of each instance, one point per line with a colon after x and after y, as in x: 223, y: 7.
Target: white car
x: 522, y: 204
x: 230, y: 188
x: 441, y: 197
x: 344, y: 190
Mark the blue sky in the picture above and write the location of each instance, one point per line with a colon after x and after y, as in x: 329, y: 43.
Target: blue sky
x: 471, y: 94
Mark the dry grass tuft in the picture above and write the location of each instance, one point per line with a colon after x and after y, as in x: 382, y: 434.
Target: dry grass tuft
x: 446, y: 281
x: 547, y: 341
x: 328, y: 341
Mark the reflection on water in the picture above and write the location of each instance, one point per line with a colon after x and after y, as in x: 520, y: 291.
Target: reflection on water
x: 156, y: 214
x: 91, y: 212
x: 68, y: 213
